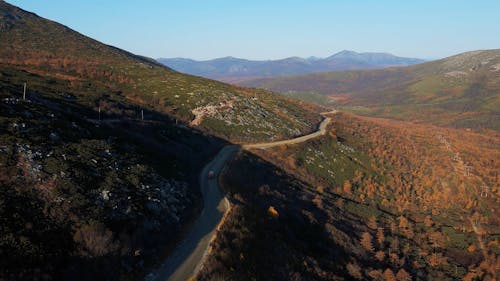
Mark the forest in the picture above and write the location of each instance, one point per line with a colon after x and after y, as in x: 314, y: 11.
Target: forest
x: 377, y: 199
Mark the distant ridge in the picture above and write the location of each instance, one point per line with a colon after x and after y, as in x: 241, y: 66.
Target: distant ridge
x: 462, y: 90
x: 230, y: 68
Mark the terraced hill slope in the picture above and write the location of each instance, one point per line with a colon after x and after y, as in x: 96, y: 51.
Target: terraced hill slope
x: 461, y: 91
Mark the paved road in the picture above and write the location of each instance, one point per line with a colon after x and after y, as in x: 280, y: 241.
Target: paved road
x: 321, y: 131
x: 189, y: 255
x: 183, y: 262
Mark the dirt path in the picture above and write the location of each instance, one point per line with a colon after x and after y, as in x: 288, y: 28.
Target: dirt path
x: 188, y: 257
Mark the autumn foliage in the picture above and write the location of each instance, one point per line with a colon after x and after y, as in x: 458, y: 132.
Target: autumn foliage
x: 437, y: 187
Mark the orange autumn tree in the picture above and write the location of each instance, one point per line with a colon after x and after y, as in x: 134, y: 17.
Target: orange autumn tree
x: 347, y: 188
x: 366, y: 242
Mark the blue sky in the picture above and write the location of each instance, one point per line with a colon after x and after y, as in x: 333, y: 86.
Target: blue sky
x: 270, y: 29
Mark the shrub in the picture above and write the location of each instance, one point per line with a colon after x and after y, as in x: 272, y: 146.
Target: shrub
x: 95, y: 240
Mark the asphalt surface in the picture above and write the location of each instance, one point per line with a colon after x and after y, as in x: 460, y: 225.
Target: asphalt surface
x: 183, y: 262
x: 321, y: 131
x: 189, y: 255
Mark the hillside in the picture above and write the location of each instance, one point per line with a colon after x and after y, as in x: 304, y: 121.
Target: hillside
x: 460, y: 91
x: 49, y: 49
x: 235, y: 69
x: 364, y: 202
x: 78, y: 194
x: 100, y: 158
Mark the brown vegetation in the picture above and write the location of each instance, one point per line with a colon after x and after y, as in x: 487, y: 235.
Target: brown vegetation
x: 394, y: 178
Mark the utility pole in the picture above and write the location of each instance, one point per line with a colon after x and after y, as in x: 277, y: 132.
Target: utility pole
x: 24, y: 91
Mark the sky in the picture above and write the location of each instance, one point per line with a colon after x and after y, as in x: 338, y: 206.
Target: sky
x: 272, y: 29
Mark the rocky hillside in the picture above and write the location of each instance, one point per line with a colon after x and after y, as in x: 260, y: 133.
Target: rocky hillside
x: 235, y: 69
x: 100, y: 155
x: 49, y: 49
x: 461, y: 91
x: 78, y: 194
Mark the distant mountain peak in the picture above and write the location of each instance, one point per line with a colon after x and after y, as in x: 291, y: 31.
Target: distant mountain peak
x: 350, y: 54
x: 371, y: 59
x: 345, y: 52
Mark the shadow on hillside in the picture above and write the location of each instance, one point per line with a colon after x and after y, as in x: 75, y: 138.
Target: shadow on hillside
x: 256, y: 244
x: 55, y: 117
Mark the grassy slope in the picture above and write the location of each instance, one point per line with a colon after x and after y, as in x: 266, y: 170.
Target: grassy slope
x: 50, y: 49
x: 461, y: 91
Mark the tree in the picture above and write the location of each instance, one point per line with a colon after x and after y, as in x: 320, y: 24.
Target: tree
x: 366, y: 242
x: 354, y: 270
x: 380, y: 256
x: 318, y: 202
x: 389, y: 275
x: 428, y: 221
x: 372, y: 222
x: 471, y: 248
x: 395, y: 245
x: 375, y: 274
x: 380, y: 237
x: 403, y: 222
x: 395, y: 260
x: 392, y: 225
x: 95, y: 240
x: 402, y: 275
x: 273, y: 212
x: 347, y: 187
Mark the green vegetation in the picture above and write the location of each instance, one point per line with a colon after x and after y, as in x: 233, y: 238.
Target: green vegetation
x: 331, y: 159
x: 311, y: 97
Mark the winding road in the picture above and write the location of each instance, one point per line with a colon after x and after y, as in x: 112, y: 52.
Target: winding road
x: 187, y: 258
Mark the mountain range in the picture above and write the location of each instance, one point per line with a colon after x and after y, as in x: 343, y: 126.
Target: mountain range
x: 235, y: 69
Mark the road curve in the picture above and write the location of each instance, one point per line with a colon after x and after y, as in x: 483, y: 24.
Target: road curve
x: 189, y: 255
x: 321, y: 131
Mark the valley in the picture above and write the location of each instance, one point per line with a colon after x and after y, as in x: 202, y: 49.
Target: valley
x: 357, y: 166
x: 184, y: 264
